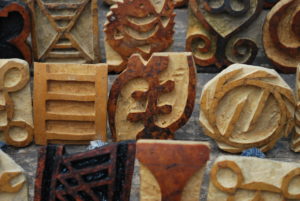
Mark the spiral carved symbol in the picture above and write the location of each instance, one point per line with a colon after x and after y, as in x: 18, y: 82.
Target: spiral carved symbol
x: 219, y: 31
x: 281, y: 35
x: 247, y: 106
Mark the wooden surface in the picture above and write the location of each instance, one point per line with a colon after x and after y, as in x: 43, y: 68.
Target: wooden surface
x: 16, y: 109
x: 139, y: 26
x: 173, y: 164
x: 281, y: 35
x: 247, y: 106
x: 15, y: 28
x: 13, y: 184
x: 246, y: 178
x: 296, y: 137
x: 27, y: 157
x: 101, y: 174
x: 65, y: 31
x: 166, y: 82
x: 220, y: 34
x: 70, y: 102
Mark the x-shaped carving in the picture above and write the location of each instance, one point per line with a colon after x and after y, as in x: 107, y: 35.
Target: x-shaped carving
x: 64, y: 32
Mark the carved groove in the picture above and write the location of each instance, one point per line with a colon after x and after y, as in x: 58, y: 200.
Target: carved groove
x: 16, y: 107
x: 101, y: 174
x: 15, y: 29
x: 281, y: 35
x: 140, y: 26
x: 219, y: 32
x: 69, y: 102
x: 144, y: 100
x: 13, y: 185
x: 65, y: 39
x: 247, y: 106
x: 254, y: 185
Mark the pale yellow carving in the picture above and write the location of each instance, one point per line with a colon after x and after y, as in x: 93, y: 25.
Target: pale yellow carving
x: 7, y: 165
x: 262, y: 171
x: 177, y: 71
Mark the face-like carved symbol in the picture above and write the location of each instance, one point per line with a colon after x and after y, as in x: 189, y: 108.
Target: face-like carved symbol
x: 152, y: 99
x: 140, y: 26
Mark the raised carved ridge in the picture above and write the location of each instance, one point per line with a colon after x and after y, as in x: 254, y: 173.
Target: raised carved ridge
x: 281, y: 35
x: 233, y: 178
x: 16, y: 105
x: 152, y: 99
x: 104, y: 173
x: 13, y: 185
x: 247, y: 106
x: 70, y: 102
x: 140, y: 26
x: 219, y: 32
x: 69, y: 33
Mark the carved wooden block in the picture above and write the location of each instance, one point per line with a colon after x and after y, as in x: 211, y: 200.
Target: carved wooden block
x: 296, y: 136
x: 247, y: 106
x: 69, y: 102
x: 224, y: 32
x: 178, y: 3
x: 154, y: 98
x: 140, y: 26
x: 248, y: 178
x: 171, y: 170
x: 13, y: 185
x: 65, y: 31
x: 101, y: 174
x: 15, y: 29
x: 16, y: 105
x: 281, y: 35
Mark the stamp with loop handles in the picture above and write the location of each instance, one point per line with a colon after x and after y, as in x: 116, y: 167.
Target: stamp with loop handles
x: 15, y: 106
x: 252, y: 184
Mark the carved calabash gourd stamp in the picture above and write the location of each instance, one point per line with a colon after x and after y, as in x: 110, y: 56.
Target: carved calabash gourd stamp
x: 281, y: 35
x: 16, y: 103
x: 220, y: 33
x: 15, y: 28
x: 154, y: 98
x: 296, y: 137
x: 139, y: 26
x: 13, y: 185
x: 104, y: 173
x: 236, y: 178
x: 171, y: 170
x: 65, y: 31
x: 247, y: 106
